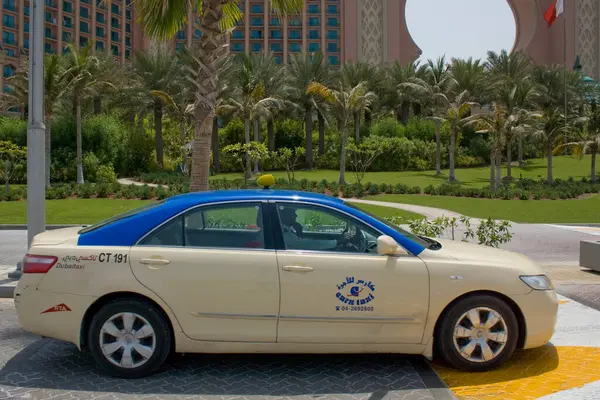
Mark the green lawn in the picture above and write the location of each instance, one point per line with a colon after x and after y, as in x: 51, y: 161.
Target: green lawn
x: 563, y: 167
x: 534, y: 211
x: 89, y: 211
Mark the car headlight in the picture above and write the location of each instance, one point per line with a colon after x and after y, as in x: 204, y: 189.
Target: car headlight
x: 537, y: 282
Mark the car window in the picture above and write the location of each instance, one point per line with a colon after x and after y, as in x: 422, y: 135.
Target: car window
x: 220, y: 226
x: 309, y: 227
x: 119, y: 217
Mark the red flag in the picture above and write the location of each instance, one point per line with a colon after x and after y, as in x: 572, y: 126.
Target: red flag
x: 552, y: 13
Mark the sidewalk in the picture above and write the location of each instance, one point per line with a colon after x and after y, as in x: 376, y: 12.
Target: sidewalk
x: 7, y: 285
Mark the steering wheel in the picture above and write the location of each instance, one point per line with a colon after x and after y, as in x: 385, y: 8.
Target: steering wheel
x: 357, y: 242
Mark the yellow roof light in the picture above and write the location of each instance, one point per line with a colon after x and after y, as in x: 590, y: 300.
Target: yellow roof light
x: 266, y: 181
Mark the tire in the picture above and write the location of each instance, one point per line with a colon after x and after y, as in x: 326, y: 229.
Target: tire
x: 154, y: 348
x: 500, y: 338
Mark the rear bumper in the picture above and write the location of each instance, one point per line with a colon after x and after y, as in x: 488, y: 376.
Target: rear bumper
x: 539, y: 308
x: 54, y: 315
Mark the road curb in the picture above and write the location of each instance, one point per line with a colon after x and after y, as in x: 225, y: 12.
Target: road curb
x: 22, y: 227
x: 7, y: 291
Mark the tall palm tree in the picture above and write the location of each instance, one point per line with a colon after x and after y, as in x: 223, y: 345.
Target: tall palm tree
x: 80, y: 75
x: 399, y: 94
x: 470, y: 76
x: 551, y: 126
x: 161, y: 18
x: 304, y: 70
x: 457, y: 112
x: 346, y: 101
x: 433, y: 90
x: 513, y: 67
x: 156, y: 72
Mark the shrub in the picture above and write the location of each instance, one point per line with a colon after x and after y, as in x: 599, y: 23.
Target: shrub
x: 387, y: 127
x: 106, y: 174
x: 13, y: 130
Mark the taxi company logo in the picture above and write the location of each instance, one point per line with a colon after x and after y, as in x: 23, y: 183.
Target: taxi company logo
x: 355, y: 292
x: 60, y: 307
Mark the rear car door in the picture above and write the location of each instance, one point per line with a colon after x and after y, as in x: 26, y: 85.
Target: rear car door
x: 216, y: 267
x: 331, y: 293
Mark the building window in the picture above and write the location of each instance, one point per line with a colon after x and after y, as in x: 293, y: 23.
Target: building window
x: 180, y: 34
x: 295, y: 47
x: 127, y: 41
x: 114, y: 36
x: 48, y: 16
x: 257, y: 47
x: 313, y: 47
x: 237, y: 47
x: 48, y: 48
x: 8, y: 38
x: 85, y: 1
x: 66, y: 37
x: 115, y: 50
x: 9, y: 5
x: 128, y: 27
x: 275, y: 21
x: 26, y: 26
x: 295, y: 22
x: 277, y: 59
x: 114, y: 22
x: 67, y: 22
x: 276, y: 34
x: 256, y: 21
x: 257, y: 9
x: 115, y: 8
x: 128, y: 53
x: 68, y: 6
x: 84, y: 12
x: 83, y: 26
x: 332, y: 9
x: 83, y: 41
x: 313, y: 34
x: 25, y: 42
x: 100, y: 31
x: 197, y: 33
x: 334, y: 60
x: 9, y: 70
x: 332, y: 47
x: 333, y: 21
x: 10, y: 53
x: 256, y: 34
x: 26, y: 10
x: 313, y: 8
x: 100, y: 4
x: 295, y: 34
x: 100, y: 46
x: 8, y: 21
x: 100, y: 17
x: 179, y: 46
x: 48, y: 32
x: 276, y: 47
x: 128, y: 14
x: 237, y: 34
x: 332, y: 34
x: 314, y: 21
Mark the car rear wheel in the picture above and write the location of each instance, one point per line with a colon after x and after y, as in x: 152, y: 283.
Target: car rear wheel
x: 478, y: 333
x: 129, y: 338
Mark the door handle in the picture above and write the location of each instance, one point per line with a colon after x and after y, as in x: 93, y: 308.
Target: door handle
x: 297, y: 268
x: 154, y: 261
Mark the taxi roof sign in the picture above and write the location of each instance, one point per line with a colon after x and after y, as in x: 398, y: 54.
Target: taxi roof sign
x: 266, y: 181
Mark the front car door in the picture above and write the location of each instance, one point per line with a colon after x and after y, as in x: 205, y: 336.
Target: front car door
x: 335, y: 288
x: 215, y: 266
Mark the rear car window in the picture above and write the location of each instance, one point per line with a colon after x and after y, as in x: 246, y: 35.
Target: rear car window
x: 120, y: 217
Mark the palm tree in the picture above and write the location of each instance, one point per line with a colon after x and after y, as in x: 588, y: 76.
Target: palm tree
x: 551, y: 126
x: 399, y: 94
x: 433, y: 90
x: 163, y: 19
x: 156, y: 72
x: 80, y: 75
x: 346, y: 101
x: 456, y: 115
x: 512, y: 67
x: 304, y: 70
x: 470, y: 76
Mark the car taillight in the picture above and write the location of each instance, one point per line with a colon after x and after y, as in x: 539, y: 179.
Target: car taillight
x: 34, y: 264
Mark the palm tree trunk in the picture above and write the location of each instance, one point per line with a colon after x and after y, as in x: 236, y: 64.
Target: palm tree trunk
x: 216, y: 150
x: 417, y: 109
x: 452, y: 177
x: 78, y: 140
x: 201, y: 150
x: 404, y: 112
x: 48, y: 150
x: 520, y: 151
x: 248, y: 171
x: 270, y: 134
x: 321, y: 134
x: 509, y: 160
x: 97, y: 105
x: 593, y: 173
x: 368, y: 118
x: 257, y: 139
x: 493, y: 170
x: 158, y: 114
x: 356, y: 127
x: 498, y: 171
x: 438, y: 150
x: 182, y: 138
x: 342, y: 179
x: 549, y: 155
x: 309, y: 144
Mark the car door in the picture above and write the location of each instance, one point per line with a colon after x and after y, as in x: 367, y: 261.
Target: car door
x: 331, y: 293
x: 216, y: 267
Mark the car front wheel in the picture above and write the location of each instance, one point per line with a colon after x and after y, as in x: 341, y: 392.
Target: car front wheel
x: 478, y: 333
x: 129, y: 338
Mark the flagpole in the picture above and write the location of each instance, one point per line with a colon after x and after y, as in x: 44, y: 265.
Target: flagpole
x: 565, y: 60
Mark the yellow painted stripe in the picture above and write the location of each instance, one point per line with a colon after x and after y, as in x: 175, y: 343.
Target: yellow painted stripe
x: 529, y: 374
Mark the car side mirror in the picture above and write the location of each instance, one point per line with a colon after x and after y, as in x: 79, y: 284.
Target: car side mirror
x: 388, y: 246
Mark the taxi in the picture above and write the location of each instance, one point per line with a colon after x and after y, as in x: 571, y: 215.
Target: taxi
x: 271, y: 271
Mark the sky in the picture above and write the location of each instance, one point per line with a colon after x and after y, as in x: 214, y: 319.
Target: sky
x: 460, y: 28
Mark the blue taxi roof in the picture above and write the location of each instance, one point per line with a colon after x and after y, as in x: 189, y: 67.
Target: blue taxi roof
x: 126, y: 229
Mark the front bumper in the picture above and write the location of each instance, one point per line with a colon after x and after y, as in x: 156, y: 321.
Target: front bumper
x: 539, y: 308
x: 54, y: 315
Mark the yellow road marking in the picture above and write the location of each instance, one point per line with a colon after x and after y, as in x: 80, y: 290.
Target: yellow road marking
x: 529, y: 374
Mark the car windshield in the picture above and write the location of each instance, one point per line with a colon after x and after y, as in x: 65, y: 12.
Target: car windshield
x: 425, y: 242
x: 119, y: 217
